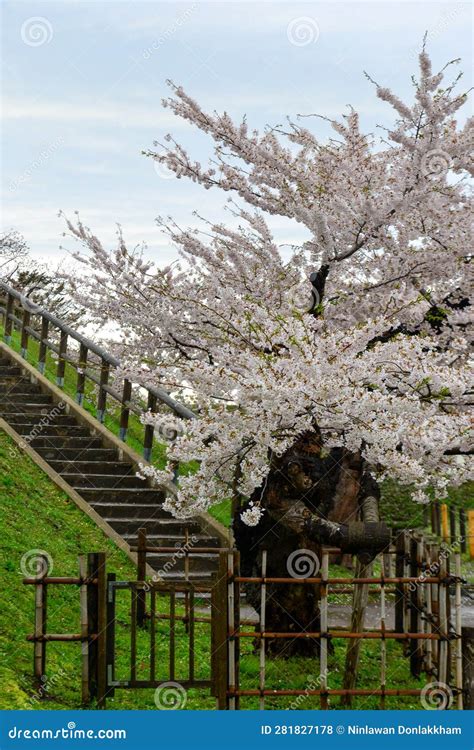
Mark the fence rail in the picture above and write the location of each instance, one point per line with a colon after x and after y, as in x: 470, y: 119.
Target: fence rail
x: 19, y: 311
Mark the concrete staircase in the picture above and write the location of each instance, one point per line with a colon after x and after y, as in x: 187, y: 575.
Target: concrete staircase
x: 98, y: 474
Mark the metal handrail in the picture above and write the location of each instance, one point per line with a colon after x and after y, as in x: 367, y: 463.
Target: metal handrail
x: 30, y: 308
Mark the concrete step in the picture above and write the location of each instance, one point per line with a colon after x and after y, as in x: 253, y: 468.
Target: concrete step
x: 34, y: 419
x: 9, y: 371
x: 5, y: 362
x: 160, y: 523
x: 66, y: 431
x: 128, y: 481
x: 14, y: 397
x: 130, y: 511
x: 61, y: 442
x: 78, y: 454
x: 148, y: 495
x: 72, y: 466
x: 175, y: 562
x: 21, y: 387
x: 15, y: 407
x: 172, y: 540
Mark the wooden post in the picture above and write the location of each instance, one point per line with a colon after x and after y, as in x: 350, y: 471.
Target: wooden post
x: 125, y: 412
x: 149, y: 429
x: 414, y: 618
x: 219, y: 633
x: 81, y: 374
x: 399, y: 588
x: 444, y: 522
x: 458, y: 646
x: 110, y: 632
x: 24, y: 333
x: 359, y: 603
x: 8, y: 321
x: 323, y: 643
x: 97, y: 623
x: 85, y: 693
x: 102, y: 397
x: 470, y: 532
x: 468, y: 667
x: 43, y: 347
x: 61, y: 369
x: 462, y: 529
x: 452, y: 524
x: 141, y: 575
x: 41, y: 618
x: 236, y: 555
x: 231, y: 621
x: 262, y: 648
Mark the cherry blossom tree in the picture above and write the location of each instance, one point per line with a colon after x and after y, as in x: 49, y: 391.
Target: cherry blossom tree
x: 314, y: 374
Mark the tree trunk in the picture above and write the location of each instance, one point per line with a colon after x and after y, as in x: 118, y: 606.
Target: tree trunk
x: 309, y: 499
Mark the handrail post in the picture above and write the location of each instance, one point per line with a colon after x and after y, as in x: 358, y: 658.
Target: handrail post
x: 125, y: 412
x: 149, y: 429
x: 102, y: 398
x: 43, y: 347
x: 8, y: 320
x: 25, y: 322
x: 61, y: 359
x: 81, y: 374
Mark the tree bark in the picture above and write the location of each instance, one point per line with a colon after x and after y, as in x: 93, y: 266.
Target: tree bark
x: 310, y: 498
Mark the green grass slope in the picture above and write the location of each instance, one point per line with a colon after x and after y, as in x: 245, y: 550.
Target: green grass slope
x: 35, y: 515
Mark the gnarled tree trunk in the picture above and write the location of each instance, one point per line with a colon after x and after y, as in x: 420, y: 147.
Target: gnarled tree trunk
x: 310, y: 498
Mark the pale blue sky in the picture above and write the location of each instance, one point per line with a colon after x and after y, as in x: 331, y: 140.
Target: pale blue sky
x: 79, y: 107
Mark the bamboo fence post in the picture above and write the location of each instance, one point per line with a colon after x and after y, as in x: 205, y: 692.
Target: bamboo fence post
x: 435, y: 566
x: 459, y: 660
x: 85, y: 693
x: 443, y: 624
x: 231, y: 637
x: 237, y: 623
x: 141, y: 575
x: 429, y: 613
x: 41, y: 618
x: 323, y: 656
x: 263, y: 605
x: 468, y: 667
x: 110, y: 633
x: 383, y: 644
x: 220, y: 633
x: 359, y: 603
